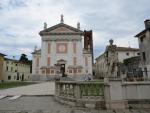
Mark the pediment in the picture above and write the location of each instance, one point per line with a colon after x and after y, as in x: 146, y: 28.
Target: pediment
x: 60, y: 28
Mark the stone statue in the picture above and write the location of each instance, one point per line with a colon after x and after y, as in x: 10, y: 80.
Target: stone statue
x: 111, y: 59
x: 62, y: 19
x: 45, y: 25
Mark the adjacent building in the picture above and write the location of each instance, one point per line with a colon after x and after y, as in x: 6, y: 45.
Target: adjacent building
x: 14, y: 70
x: 62, y: 53
x: 1, y: 66
x: 144, y: 45
x: 127, y: 52
x: 122, y: 54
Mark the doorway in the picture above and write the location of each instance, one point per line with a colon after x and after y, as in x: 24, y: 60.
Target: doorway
x: 62, y: 70
x: 22, y: 79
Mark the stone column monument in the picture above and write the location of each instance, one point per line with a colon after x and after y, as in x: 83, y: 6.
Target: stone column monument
x: 111, y: 59
x: 113, y: 83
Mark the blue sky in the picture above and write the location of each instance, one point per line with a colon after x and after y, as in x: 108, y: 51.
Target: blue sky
x: 21, y: 21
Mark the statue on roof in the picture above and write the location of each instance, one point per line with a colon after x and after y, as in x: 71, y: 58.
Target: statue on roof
x: 62, y: 19
x: 45, y: 25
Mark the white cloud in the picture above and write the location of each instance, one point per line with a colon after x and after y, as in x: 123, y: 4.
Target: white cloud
x: 21, y: 21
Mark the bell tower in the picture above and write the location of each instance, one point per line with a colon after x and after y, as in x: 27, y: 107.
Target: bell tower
x: 88, y: 41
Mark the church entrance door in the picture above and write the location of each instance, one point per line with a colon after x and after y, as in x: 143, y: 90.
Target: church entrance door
x: 62, y: 63
x: 62, y: 70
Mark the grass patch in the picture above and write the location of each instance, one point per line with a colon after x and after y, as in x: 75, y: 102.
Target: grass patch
x: 93, y: 81
x: 6, y: 85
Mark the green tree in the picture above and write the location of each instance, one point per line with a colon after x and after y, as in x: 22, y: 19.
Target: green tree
x: 23, y: 58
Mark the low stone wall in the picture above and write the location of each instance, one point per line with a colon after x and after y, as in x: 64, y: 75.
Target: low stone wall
x: 136, y: 90
x: 137, y: 94
x: 80, y: 94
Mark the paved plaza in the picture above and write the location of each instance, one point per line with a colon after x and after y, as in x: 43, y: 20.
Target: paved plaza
x: 47, y: 104
x: 38, y: 98
x: 45, y: 88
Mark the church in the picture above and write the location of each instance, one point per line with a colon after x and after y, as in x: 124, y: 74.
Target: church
x: 62, y: 53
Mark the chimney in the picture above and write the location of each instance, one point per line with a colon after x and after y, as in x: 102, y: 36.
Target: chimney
x: 45, y: 25
x: 147, y: 24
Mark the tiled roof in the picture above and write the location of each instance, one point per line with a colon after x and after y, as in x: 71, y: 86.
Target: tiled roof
x: 16, y: 61
x: 142, y: 32
x: 2, y: 54
x: 127, y: 49
x: 120, y: 49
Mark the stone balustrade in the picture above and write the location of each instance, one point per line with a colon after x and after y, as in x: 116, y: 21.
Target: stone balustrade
x: 114, y: 94
x: 83, y: 94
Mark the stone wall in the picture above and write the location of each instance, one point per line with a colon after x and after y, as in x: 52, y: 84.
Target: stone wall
x: 120, y: 95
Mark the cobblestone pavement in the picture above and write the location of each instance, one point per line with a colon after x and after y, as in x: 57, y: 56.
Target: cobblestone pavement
x: 45, y: 88
x: 47, y: 104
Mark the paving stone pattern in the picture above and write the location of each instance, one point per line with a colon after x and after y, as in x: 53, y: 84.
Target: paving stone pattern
x: 47, y: 104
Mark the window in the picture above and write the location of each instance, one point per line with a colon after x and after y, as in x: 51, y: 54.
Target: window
x: 88, y: 38
x: 43, y: 71
x: 70, y: 70
x: 48, y: 61
x: 52, y: 71
x: 9, y: 77
x: 142, y: 38
x: 75, y: 70
x: 144, y: 56
x: 74, y: 47
x: 88, y: 45
x: 138, y: 53
x: 79, y: 70
x: 49, y: 48
x: 17, y: 76
x: 61, y: 48
x: 127, y: 54
x: 145, y: 69
x: 48, y: 71
x: 74, y: 61
x: 7, y: 68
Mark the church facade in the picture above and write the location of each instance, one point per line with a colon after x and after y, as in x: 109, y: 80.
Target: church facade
x: 62, y: 53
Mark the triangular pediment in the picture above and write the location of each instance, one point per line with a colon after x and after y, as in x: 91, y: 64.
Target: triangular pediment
x: 60, y: 28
